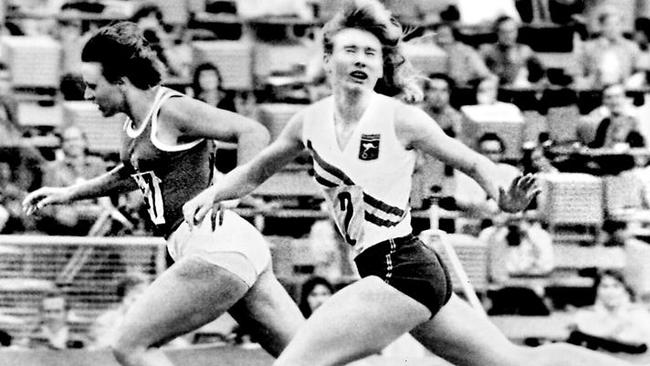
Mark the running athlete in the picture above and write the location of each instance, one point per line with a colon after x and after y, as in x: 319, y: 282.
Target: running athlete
x: 362, y: 144
x: 166, y: 154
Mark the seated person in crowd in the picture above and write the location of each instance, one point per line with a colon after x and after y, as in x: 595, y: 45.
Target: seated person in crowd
x: 429, y: 171
x: 469, y: 197
x: 614, y: 322
x: 437, y: 92
x: 74, y: 165
x: 23, y: 158
x: 616, y: 106
x: 12, y: 217
x: 618, y: 127
x: 609, y: 58
x: 463, y: 62
x: 53, y: 329
x: 314, y: 292
x: 518, y: 246
x: 515, y: 64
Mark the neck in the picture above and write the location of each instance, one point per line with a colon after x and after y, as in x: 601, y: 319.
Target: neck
x: 138, y: 103
x: 350, y: 103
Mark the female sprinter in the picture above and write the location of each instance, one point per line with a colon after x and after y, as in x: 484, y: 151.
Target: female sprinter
x: 166, y: 153
x: 363, y: 146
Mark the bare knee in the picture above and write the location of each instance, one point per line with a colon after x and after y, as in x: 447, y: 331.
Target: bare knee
x: 127, y: 350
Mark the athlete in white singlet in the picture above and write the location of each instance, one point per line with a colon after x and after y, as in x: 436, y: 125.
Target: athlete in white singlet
x: 361, y: 143
x: 166, y: 153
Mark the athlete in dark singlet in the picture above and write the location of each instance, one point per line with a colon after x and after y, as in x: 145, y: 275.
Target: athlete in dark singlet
x: 220, y: 265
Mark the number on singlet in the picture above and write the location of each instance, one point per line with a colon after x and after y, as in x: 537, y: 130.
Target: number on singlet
x: 149, y: 184
x: 345, y: 201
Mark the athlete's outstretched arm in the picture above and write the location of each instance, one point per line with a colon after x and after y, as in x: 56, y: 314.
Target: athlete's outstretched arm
x: 417, y: 130
x: 117, y: 180
x: 190, y: 119
x: 245, y: 178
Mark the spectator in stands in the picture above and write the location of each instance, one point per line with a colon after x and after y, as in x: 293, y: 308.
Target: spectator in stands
x: 515, y: 64
x: 469, y: 198
x: 53, y: 330
x: 150, y: 19
x: 517, y: 246
x: 437, y: 91
x: 614, y: 102
x: 430, y: 171
x: 314, y: 292
x: 617, y: 126
x: 24, y: 159
x: 615, y: 322
x: 463, y: 62
x: 609, y: 58
x: 12, y: 217
x: 103, y: 332
x: 207, y: 86
x: 75, y: 165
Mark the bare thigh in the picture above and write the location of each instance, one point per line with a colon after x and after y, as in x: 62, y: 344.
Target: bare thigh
x: 188, y: 295
x: 359, y: 320
x: 269, y: 313
x: 464, y: 336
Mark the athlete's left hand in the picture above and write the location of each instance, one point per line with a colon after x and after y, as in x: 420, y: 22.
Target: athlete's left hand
x: 195, y: 210
x: 522, y: 190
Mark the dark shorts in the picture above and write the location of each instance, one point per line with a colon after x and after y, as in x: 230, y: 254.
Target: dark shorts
x: 411, y: 267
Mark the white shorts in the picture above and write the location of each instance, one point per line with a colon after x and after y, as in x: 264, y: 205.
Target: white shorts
x: 235, y: 245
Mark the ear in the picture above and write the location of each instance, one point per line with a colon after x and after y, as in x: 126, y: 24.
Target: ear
x: 122, y: 82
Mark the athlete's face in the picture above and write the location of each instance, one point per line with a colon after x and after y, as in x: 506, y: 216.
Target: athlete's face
x: 356, y: 60
x: 107, y: 96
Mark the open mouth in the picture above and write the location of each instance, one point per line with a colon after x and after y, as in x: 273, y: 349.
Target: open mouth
x: 359, y: 75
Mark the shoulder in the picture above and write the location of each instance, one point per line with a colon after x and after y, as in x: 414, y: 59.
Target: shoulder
x: 177, y: 107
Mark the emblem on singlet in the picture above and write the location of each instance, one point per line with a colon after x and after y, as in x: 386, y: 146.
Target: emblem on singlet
x: 149, y: 184
x: 369, y: 146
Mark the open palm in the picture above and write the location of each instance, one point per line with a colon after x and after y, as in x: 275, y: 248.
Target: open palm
x: 521, y: 191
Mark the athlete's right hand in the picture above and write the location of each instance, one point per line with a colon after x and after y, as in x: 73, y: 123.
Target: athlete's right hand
x: 195, y: 210
x: 42, y: 197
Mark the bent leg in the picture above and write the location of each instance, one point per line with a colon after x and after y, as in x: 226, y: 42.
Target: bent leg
x: 269, y: 312
x: 357, y: 321
x: 466, y: 338
x: 188, y: 295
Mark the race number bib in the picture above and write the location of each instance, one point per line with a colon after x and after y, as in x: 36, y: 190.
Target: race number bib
x: 346, y: 203
x: 149, y: 184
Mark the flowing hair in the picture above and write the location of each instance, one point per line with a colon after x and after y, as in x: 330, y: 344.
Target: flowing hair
x: 371, y: 16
